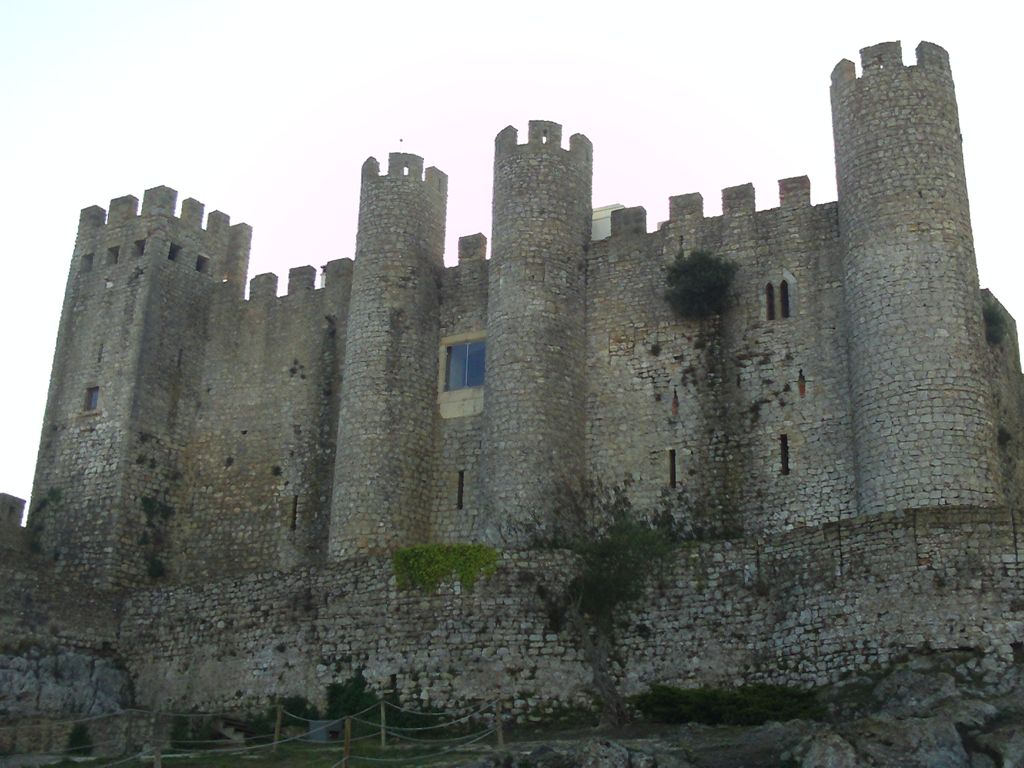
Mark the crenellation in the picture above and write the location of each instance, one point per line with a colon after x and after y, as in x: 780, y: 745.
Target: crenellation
x: 472, y: 248
x: 875, y: 58
x: 192, y: 213
x: 738, y: 201
x: 794, y: 192
x: 219, y: 476
x: 628, y: 222
x: 159, y: 201
x: 301, y: 279
x: 122, y: 209
x: 263, y: 287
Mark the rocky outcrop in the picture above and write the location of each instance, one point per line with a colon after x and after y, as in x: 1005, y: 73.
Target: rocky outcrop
x: 41, y: 681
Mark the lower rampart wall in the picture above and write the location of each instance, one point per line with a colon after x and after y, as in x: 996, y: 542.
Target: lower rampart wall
x: 806, y: 607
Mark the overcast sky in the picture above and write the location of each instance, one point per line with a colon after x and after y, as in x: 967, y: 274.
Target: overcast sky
x: 267, y: 110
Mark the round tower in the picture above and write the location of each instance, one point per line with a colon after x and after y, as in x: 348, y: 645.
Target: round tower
x: 383, y: 464
x: 534, y: 409
x: 924, y: 432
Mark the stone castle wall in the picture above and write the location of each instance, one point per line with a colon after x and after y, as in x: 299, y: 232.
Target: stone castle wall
x: 803, y: 607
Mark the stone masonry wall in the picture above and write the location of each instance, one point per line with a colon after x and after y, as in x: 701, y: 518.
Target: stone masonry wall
x: 720, y: 394
x: 259, y: 462
x: 923, y: 426
x: 802, y: 607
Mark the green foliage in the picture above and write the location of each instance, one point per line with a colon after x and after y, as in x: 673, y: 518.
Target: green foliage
x: 995, y: 320
x: 618, y: 549
x: 79, y: 740
x: 425, y: 566
x: 699, y: 519
x: 348, y: 698
x: 301, y: 707
x: 746, y: 705
x: 155, y: 567
x: 698, y: 284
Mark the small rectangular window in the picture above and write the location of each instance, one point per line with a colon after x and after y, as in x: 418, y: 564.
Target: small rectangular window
x: 87, y: 262
x: 202, y: 263
x: 140, y: 247
x: 92, y: 398
x: 112, y: 254
x: 173, y: 252
x: 464, y: 365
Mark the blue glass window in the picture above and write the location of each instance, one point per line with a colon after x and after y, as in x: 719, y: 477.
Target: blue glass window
x: 464, y: 365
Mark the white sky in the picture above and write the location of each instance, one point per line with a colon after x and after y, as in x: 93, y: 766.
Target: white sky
x: 267, y: 110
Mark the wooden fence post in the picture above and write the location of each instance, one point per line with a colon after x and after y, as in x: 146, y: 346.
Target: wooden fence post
x: 498, y: 725
x: 348, y: 742
x: 383, y: 724
x: 277, y: 725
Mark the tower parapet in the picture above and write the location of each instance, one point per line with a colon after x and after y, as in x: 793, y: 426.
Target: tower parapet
x: 923, y: 428
x: 535, y: 387
x: 389, y: 402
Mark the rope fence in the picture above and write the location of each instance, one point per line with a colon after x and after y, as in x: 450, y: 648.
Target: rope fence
x: 443, y: 733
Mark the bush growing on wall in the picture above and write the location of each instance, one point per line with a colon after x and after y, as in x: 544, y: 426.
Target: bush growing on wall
x: 698, y: 284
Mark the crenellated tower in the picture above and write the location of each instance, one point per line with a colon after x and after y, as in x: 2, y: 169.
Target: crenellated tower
x: 534, y: 414
x: 924, y: 433
x: 124, y: 386
x: 386, y: 432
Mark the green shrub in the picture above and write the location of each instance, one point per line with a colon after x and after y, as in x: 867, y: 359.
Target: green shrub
x: 427, y: 565
x: 79, y: 740
x: 698, y: 284
x: 995, y: 321
x: 747, y: 705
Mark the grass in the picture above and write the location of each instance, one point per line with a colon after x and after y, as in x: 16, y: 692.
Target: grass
x: 311, y: 756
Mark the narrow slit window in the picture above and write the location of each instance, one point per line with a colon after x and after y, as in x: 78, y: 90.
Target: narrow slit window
x: 113, y: 254
x: 295, y: 512
x: 140, y: 247
x: 672, y: 468
x: 460, y: 494
x: 769, y: 301
x: 92, y: 398
x: 784, y: 298
x: 173, y: 252
x: 784, y: 454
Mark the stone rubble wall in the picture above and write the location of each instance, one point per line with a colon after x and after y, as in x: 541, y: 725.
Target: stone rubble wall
x: 803, y: 607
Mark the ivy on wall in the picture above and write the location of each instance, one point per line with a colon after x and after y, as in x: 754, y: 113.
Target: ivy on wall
x: 425, y: 566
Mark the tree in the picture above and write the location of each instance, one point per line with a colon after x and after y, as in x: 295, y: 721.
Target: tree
x: 698, y: 284
x: 618, y: 552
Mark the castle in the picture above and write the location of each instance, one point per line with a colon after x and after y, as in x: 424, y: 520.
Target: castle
x: 217, y: 472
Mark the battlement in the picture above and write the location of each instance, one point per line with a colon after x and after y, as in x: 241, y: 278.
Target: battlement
x: 542, y: 136
x: 403, y: 166
x: 157, y: 201
x: 472, y: 248
x: 263, y: 287
x: 740, y: 200
x: 888, y: 57
x: 629, y: 221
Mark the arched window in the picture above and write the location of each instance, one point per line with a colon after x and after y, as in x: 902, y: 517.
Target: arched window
x: 769, y: 301
x: 784, y: 298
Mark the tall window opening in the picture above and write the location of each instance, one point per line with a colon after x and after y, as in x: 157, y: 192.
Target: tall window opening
x: 462, y: 488
x: 769, y: 301
x: 784, y: 298
x: 784, y: 454
x: 464, y: 365
x: 672, y: 468
x: 92, y: 398
x: 112, y: 254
